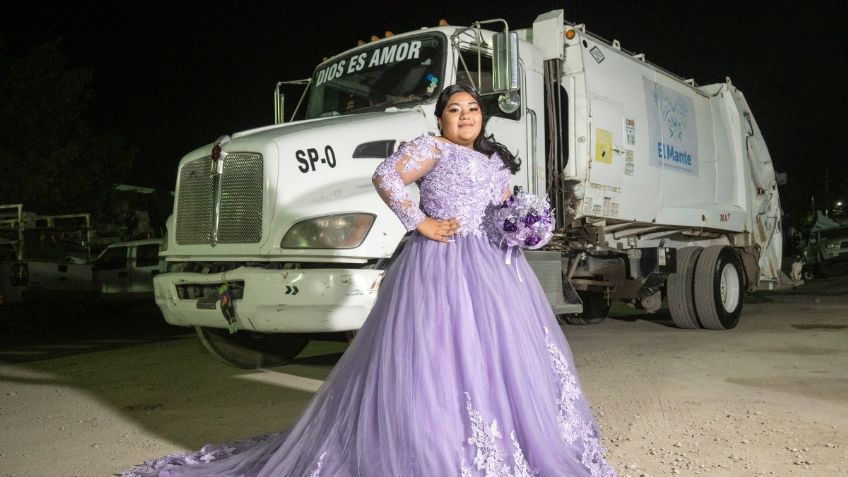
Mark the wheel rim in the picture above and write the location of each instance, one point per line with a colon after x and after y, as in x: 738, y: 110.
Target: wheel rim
x: 729, y: 288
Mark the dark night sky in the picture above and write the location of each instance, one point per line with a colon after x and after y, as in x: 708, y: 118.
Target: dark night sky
x: 172, y: 78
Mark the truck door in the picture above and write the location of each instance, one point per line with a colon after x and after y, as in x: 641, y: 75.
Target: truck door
x: 58, y: 265
x: 111, y: 270
x: 146, y: 267
x: 607, y: 158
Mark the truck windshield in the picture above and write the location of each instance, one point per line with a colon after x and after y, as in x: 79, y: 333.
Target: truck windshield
x: 398, y: 73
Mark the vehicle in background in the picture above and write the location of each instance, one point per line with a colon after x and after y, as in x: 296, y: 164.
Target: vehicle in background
x: 826, y: 253
x: 125, y: 270
x: 44, y: 257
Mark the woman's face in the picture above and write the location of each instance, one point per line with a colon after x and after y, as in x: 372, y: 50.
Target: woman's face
x: 461, y: 119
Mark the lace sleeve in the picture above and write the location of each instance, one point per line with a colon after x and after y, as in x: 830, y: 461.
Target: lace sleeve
x: 504, y: 177
x: 409, y: 163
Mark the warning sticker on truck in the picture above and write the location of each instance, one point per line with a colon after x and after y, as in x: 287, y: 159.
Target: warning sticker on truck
x: 630, y: 132
x: 629, y: 165
x: 603, y: 146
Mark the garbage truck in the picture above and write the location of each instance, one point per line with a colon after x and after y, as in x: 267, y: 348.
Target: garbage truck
x: 663, y: 189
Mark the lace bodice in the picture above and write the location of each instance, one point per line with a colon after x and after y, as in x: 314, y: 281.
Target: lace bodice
x: 454, y: 181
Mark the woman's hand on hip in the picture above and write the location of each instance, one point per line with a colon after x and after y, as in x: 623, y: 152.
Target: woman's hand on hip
x: 438, y: 230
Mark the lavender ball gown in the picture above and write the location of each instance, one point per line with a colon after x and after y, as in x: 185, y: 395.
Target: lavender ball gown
x: 460, y: 369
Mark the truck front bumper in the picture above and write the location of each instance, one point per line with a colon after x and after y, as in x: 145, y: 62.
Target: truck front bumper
x: 273, y: 301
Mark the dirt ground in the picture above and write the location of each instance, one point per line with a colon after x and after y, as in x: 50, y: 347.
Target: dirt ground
x: 767, y: 398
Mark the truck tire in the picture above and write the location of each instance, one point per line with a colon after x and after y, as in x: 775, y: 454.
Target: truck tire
x: 250, y: 350
x: 680, y: 288
x: 719, y: 285
x: 595, y: 309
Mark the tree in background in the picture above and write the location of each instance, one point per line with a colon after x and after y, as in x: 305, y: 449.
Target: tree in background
x: 50, y: 158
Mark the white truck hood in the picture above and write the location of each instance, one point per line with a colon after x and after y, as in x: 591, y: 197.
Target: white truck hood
x: 309, y: 168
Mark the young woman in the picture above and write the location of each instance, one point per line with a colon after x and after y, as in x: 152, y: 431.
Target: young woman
x: 461, y: 368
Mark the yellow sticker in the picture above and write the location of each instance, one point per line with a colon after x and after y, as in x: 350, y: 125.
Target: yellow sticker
x: 603, y: 146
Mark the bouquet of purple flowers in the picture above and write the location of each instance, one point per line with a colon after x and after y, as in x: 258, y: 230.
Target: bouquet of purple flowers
x: 524, y: 220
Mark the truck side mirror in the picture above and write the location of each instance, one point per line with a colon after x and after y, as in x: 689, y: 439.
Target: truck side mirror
x: 505, y: 70
x: 280, y: 99
x: 279, y: 104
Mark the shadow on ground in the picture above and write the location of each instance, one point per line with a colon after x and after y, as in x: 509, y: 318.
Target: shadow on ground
x: 35, y: 332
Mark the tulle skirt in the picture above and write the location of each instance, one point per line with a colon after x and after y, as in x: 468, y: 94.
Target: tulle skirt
x: 460, y: 369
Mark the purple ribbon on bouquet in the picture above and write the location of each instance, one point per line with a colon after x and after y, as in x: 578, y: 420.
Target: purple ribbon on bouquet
x: 508, y: 260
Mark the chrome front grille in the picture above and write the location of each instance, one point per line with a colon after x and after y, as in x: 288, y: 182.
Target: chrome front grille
x: 195, y: 203
x: 241, y: 199
x: 240, y: 219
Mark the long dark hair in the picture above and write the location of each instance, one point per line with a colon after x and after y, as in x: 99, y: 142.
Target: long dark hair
x: 485, y: 144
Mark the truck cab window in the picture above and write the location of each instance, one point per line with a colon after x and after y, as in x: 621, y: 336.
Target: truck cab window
x: 467, y: 73
x: 113, y: 258
x: 399, y: 73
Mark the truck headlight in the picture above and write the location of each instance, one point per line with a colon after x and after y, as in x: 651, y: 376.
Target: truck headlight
x: 330, y: 231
